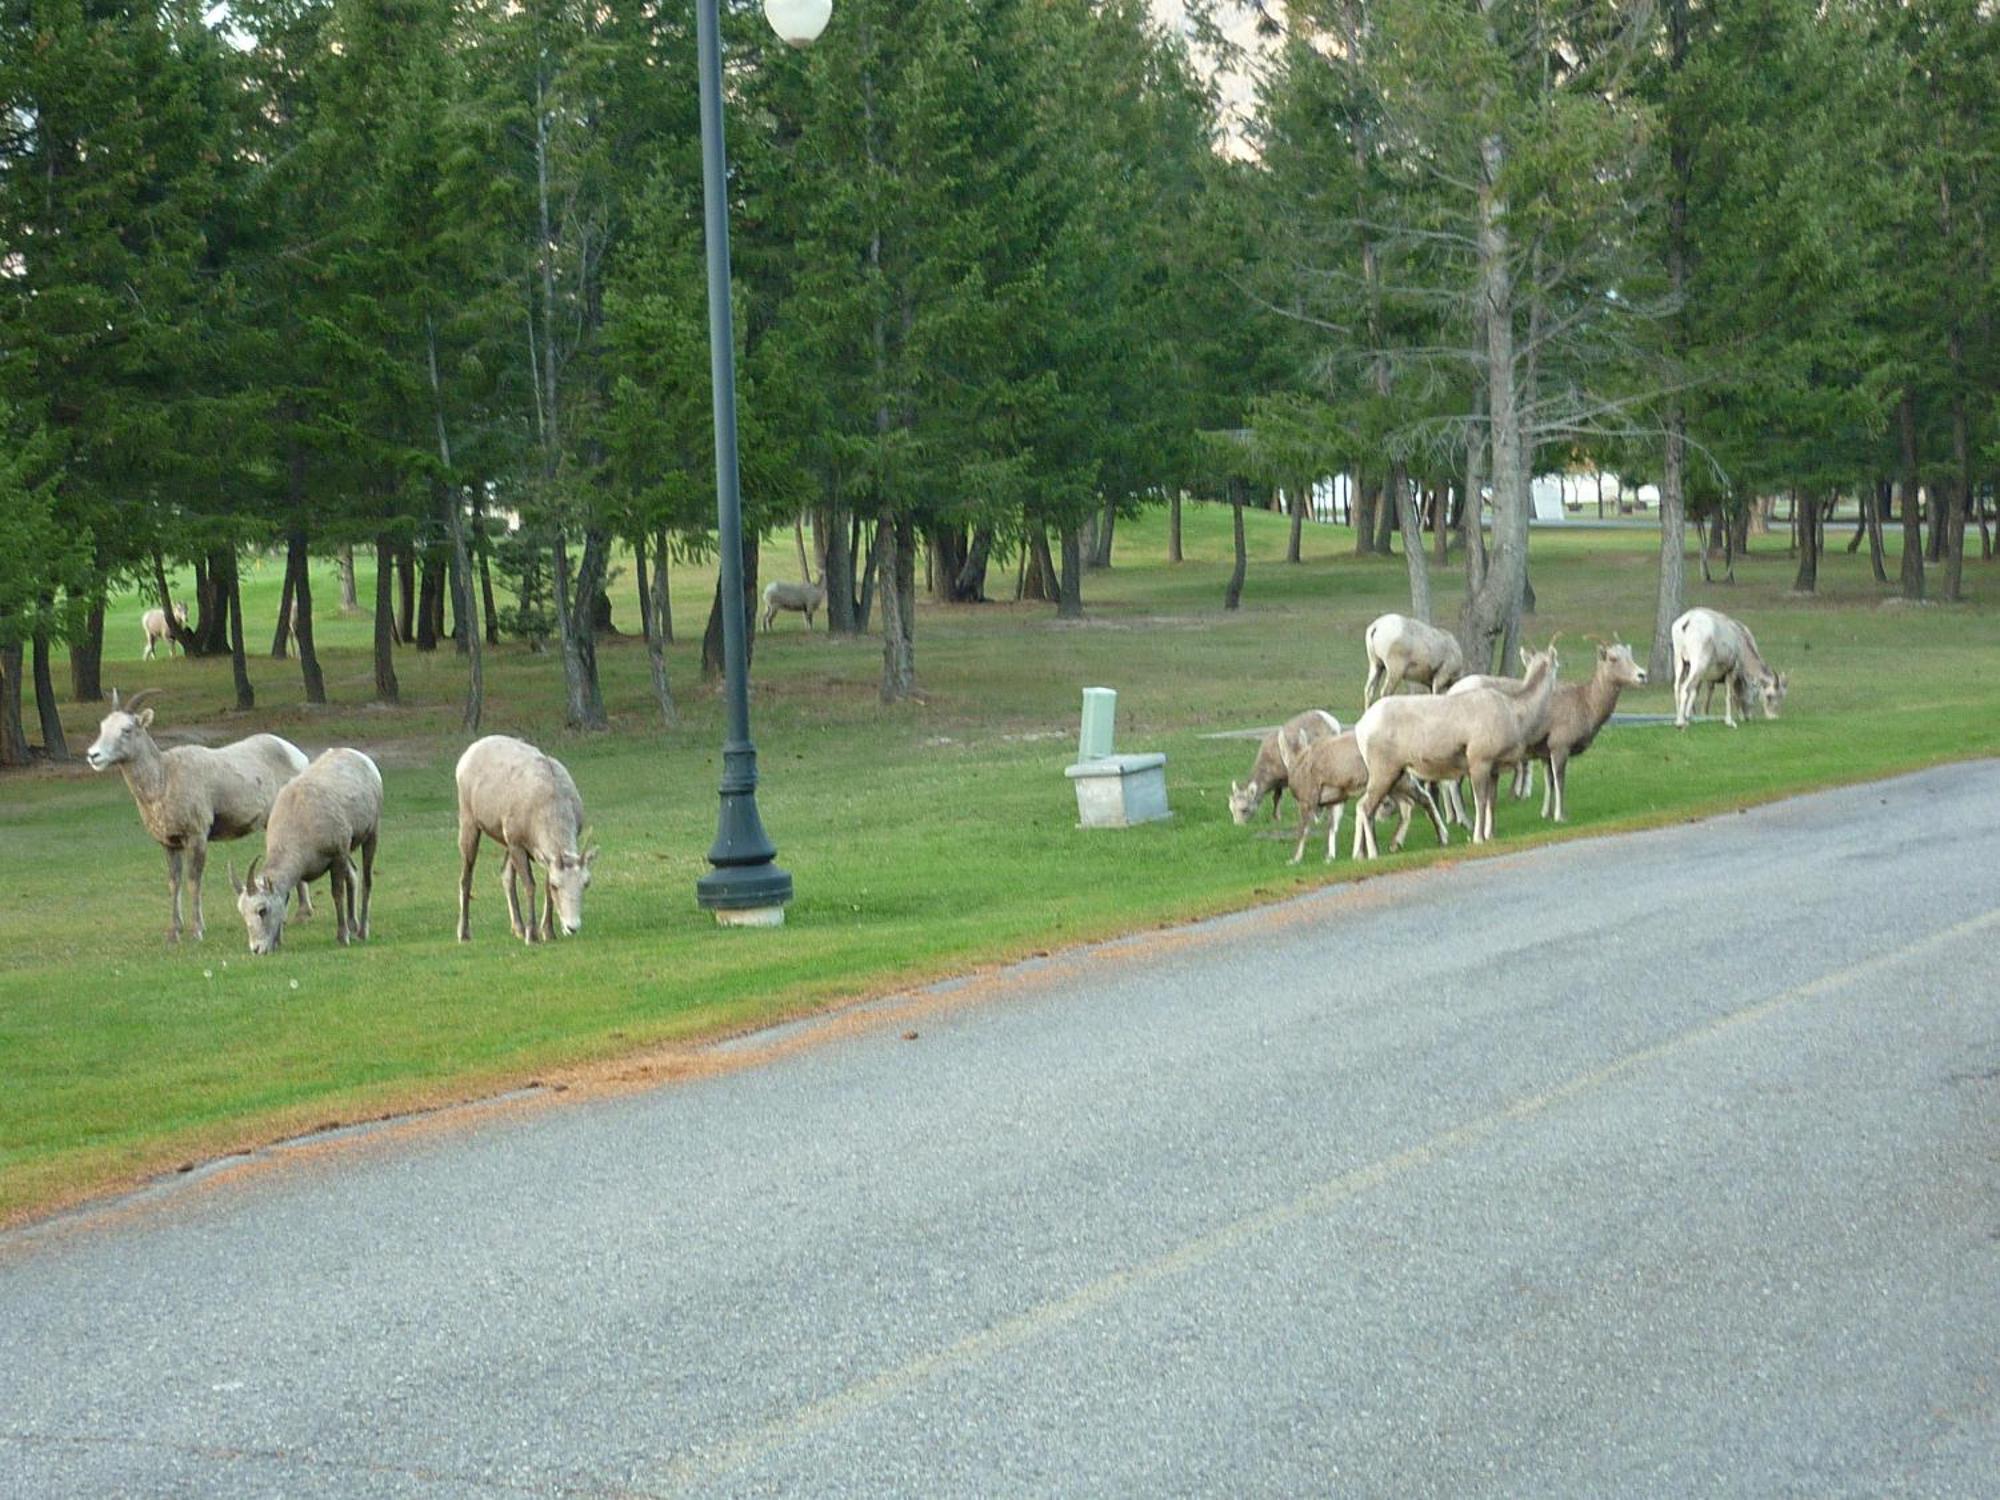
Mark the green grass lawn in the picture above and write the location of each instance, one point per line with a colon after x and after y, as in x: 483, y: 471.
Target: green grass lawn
x: 924, y: 838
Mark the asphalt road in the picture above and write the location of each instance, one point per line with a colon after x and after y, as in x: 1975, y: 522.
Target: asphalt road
x: 1666, y: 1165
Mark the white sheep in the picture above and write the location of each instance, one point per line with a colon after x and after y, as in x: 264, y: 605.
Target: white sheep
x: 1329, y: 772
x: 154, y: 623
x: 1711, y: 648
x: 1401, y: 649
x: 321, y: 817
x: 801, y: 598
x: 526, y: 802
x: 1470, y: 734
x: 191, y: 795
x: 1268, y: 772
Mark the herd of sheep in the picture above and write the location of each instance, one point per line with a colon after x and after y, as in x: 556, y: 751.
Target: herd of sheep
x: 317, y: 815
x: 1413, y: 750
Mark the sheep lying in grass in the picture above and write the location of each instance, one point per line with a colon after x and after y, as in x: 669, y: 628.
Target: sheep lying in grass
x: 331, y: 809
x: 1401, y: 649
x: 524, y: 801
x: 193, y: 795
x: 1267, y: 774
x: 1470, y: 734
x: 154, y: 623
x: 801, y: 598
x: 1712, y: 648
x: 1329, y: 772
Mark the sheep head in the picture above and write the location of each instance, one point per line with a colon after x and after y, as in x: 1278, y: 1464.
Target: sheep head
x: 262, y: 908
x: 1243, y: 800
x: 569, y: 878
x: 119, y: 734
x: 1618, y: 662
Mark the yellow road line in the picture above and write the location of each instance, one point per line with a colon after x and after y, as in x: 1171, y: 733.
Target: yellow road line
x: 740, y: 1452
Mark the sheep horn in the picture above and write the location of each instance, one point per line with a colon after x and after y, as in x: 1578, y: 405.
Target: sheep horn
x: 114, y: 700
x: 234, y: 884
x: 132, y: 703
x: 250, y: 875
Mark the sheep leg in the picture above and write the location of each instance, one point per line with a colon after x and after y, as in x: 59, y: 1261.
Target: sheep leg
x: 1375, y: 670
x: 305, y: 901
x: 1277, y: 796
x: 174, y: 895
x: 1308, y: 815
x: 1365, y: 809
x: 524, y: 868
x: 468, y: 856
x: 149, y: 649
x: 508, y: 874
x: 1333, y: 829
x: 1559, y: 779
x: 1423, y: 794
x: 548, y: 909
x: 337, y: 886
x: 1683, y: 701
x: 197, y: 861
x: 367, y: 879
x: 1484, y: 783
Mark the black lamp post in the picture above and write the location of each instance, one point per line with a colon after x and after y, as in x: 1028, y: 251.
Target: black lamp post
x: 746, y: 887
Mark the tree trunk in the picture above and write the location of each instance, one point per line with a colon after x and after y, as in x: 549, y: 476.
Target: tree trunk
x: 655, y: 615
x: 1361, y: 510
x: 468, y: 620
x: 53, y: 743
x: 1441, y: 519
x: 1294, y: 542
x: 1472, y: 510
x: 943, y: 558
x: 970, y: 585
x: 864, y: 610
x: 1174, y: 554
x: 489, y: 612
x: 406, y: 592
x: 1413, y: 544
x: 799, y: 535
x: 1107, y: 523
x: 430, y: 601
x: 645, y: 588
x: 1671, y: 597
x: 212, y: 576
x: 350, y: 599
x: 837, y: 571
x: 283, y: 632
x: 1232, y: 597
x: 1069, y: 603
x: 386, y: 690
x: 896, y: 563
x: 13, y: 734
x: 711, y: 637
x: 296, y: 557
x: 239, y: 666
x: 1958, y: 494
x: 1806, y: 507
x: 86, y: 655
x: 1912, y: 579
x: 1043, y: 586
x: 1389, y: 508
x: 1880, y: 496
x: 576, y: 612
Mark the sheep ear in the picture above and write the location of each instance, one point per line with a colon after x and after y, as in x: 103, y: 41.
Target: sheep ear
x: 589, y: 855
x: 145, y: 718
x: 1235, y: 790
x: 114, y: 700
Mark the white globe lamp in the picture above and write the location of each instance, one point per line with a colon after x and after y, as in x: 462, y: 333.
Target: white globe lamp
x: 798, y: 22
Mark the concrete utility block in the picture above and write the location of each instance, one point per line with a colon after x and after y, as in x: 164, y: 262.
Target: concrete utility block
x: 1116, y: 791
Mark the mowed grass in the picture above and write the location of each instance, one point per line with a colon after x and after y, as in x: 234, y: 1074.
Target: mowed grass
x: 924, y: 838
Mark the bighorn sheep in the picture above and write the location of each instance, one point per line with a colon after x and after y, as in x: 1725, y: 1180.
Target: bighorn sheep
x: 1401, y: 649
x: 322, y: 816
x: 802, y: 598
x: 191, y: 795
x: 1329, y: 772
x: 1267, y: 775
x: 1580, y: 710
x: 524, y: 801
x: 1470, y: 734
x: 1711, y: 648
x: 154, y: 623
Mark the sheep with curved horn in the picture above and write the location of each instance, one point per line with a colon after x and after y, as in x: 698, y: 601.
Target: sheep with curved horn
x: 192, y: 795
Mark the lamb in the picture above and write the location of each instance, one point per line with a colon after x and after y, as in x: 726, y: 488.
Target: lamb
x: 1580, y: 710
x: 524, y: 801
x: 154, y: 623
x: 321, y: 817
x: 1329, y: 772
x: 802, y: 598
x: 191, y: 795
x: 1470, y: 734
x: 1268, y: 773
x: 1711, y: 648
x: 1401, y: 649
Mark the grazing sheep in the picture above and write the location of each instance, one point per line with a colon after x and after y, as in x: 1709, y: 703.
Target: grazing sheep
x: 1267, y: 774
x: 1524, y: 773
x: 154, y: 623
x: 1711, y: 648
x: 1402, y: 649
x: 1329, y: 772
x: 802, y: 598
x: 1470, y: 734
x: 526, y: 802
x: 191, y: 795
x: 321, y: 817
x: 1580, y: 710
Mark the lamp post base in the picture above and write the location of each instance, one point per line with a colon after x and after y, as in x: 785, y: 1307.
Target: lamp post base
x: 745, y: 895
x: 750, y: 916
